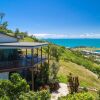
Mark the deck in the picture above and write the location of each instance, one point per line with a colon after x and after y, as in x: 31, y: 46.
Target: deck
x: 22, y: 63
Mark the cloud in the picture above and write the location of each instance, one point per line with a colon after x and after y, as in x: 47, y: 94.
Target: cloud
x: 57, y: 36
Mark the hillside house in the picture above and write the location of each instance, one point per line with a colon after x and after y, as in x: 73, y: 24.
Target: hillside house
x: 12, y: 59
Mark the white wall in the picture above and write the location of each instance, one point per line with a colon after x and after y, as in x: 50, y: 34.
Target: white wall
x: 5, y: 38
x: 4, y: 75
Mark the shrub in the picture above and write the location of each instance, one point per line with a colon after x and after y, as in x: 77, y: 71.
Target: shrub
x: 14, y: 87
x: 85, y: 89
x: 53, y: 80
x: 78, y: 96
x: 40, y: 95
x: 73, y: 83
x: 98, y: 92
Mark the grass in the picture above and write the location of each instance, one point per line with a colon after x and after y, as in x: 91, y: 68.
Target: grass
x: 27, y: 39
x: 86, y: 77
x: 87, y: 48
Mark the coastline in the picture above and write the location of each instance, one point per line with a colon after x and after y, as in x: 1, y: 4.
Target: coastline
x: 77, y: 43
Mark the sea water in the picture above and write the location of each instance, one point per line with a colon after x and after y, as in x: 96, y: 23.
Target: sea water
x: 76, y: 42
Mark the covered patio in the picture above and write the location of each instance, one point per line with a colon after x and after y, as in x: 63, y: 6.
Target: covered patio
x: 33, y: 55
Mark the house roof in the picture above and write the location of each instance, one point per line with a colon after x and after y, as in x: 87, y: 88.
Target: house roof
x: 4, y: 38
x: 8, y: 34
x: 17, y: 45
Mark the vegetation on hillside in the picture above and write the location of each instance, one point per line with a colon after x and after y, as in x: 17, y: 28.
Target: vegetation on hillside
x: 68, y: 60
x: 78, y: 96
x: 17, y: 89
x: 66, y: 55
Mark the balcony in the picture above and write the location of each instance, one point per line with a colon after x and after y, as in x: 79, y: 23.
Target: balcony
x: 22, y: 63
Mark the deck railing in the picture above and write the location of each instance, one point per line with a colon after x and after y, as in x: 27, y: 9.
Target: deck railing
x: 21, y: 63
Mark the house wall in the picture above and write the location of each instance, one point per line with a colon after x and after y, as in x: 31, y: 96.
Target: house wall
x: 5, y: 38
x: 4, y: 75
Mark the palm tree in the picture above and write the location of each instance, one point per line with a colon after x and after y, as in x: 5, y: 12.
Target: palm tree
x: 5, y: 24
x: 1, y: 17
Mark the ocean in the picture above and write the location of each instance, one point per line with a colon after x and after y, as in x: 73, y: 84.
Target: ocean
x: 76, y: 42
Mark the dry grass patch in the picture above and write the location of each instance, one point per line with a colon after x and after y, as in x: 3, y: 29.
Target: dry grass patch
x: 86, y: 77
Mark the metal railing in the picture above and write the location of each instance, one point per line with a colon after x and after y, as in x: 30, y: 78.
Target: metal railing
x: 23, y: 62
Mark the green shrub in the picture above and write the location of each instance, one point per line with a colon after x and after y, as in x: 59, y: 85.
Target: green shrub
x: 14, y: 87
x: 78, y: 96
x: 98, y: 92
x: 40, y: 95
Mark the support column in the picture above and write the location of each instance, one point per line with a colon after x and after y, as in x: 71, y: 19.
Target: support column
x: 41, y: 56
x: 37, y: 55
x: 32, y: 57
x: 26, y: 57
x: 48, y: 54
x: 32, y: 79
x: 26, y: 52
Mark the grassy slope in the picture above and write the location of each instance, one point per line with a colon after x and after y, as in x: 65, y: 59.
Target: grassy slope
x: 86, y: 77
x: 27, y: 39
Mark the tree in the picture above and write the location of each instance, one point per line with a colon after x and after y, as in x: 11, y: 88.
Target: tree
x: 25, y: 34
x: 16, y: 32
x: 14, y: 87
x: 54, y: 52
x: 54, y: 68
x: 73, y: 83
x: 1, y: 17
x: 5, y: 24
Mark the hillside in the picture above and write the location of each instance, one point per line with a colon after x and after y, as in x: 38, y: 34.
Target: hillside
x: 71, y: 62
x: 86, y: 77
x: 75, y: 63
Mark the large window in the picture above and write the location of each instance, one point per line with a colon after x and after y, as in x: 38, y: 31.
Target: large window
x: 8, y: 54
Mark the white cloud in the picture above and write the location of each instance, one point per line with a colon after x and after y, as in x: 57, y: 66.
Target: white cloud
x: 57, y: 36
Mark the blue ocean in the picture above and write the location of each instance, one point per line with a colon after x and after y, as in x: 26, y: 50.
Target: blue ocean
x: 76, y: 42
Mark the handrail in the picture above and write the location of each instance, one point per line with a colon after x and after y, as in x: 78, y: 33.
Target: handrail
x: 21, y: 63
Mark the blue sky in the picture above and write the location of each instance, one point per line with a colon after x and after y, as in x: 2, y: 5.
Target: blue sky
x: 54, y: 18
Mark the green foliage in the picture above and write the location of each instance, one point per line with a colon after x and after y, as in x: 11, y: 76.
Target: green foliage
x: 98, y: 92
x: 62, y: 78
x: 34, y: 38
x: 43, y: 76
x: 78, y: 96
x: 14, y: 87
x: 1, y: 17
x: 5, y: 24
x: 16, y: 32
x: 73, y: 83
x: 61, y: 53
x: 40, y: 95
x: 85, y: 89
x: 53, y: 79
x: 55, y: 52
x: 54, y: 68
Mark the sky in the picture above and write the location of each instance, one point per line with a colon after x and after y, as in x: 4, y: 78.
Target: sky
x: 54, y: 18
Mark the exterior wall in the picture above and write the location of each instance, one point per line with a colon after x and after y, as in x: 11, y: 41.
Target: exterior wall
x: 4, y: 75
x: 5, y: 38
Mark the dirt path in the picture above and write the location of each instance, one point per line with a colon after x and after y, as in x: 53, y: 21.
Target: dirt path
x: 63, y: 91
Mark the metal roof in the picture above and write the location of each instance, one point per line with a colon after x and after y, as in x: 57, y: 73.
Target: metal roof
x: 16, y: 45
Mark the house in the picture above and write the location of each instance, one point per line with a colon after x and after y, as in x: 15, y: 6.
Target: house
x: 12, y: 59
